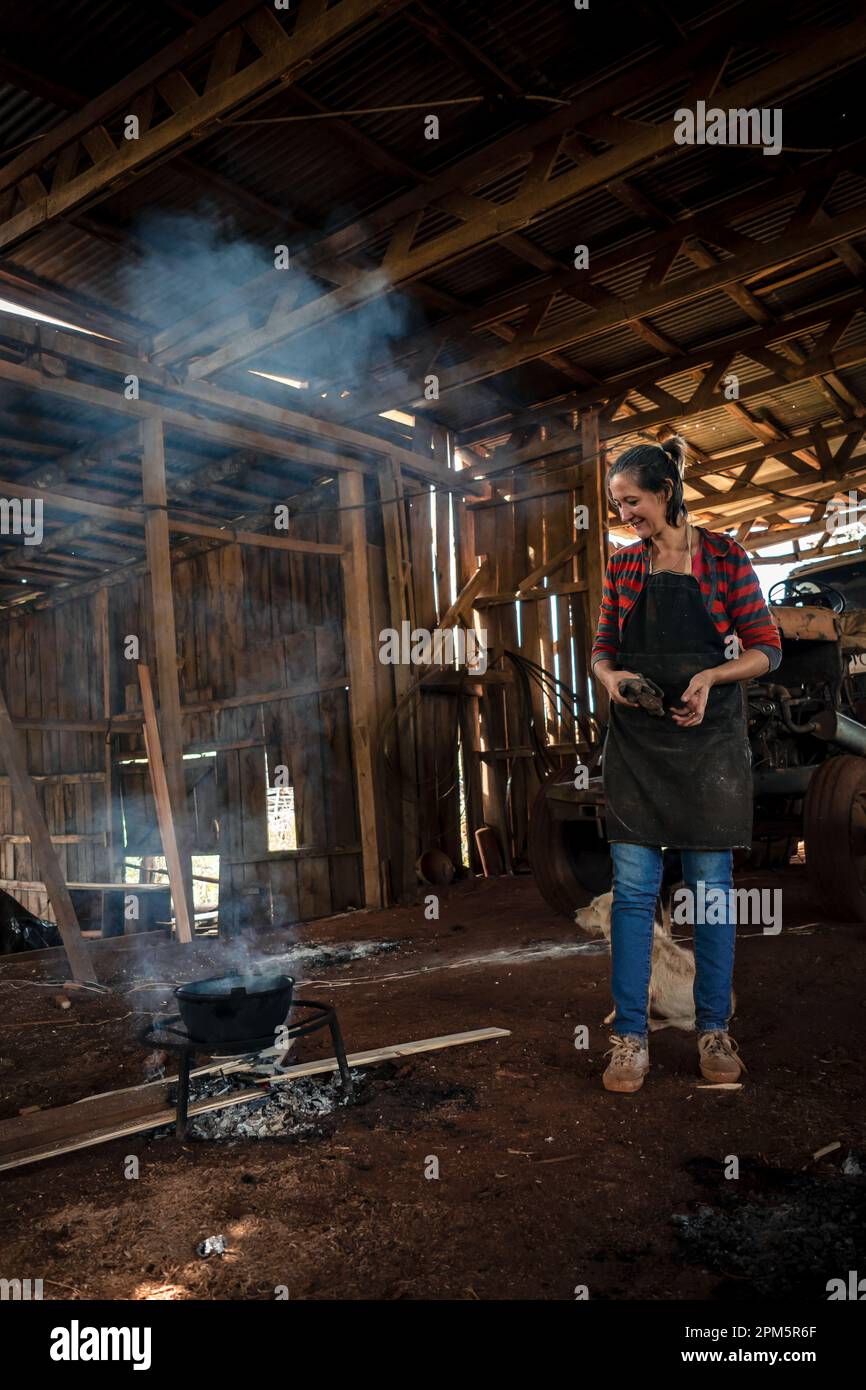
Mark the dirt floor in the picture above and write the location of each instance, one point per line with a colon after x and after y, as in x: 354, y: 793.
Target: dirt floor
x: 546, y: 1182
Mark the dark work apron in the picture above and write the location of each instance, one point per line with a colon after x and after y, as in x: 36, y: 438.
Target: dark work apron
x: 664, y: 785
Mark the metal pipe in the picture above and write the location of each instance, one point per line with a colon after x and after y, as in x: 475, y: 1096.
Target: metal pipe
x: 833, y: 727
x: 785, y: 698
x: 783, y: 781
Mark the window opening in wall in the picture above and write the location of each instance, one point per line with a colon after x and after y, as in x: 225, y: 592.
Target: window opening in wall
x: 282, y: 827
x: 463, y: 811
x: 151, y: 868
x: 433, y: 548
x: 555, y: 645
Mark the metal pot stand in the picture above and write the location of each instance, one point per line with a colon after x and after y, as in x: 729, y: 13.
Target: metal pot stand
x: 169, y: 1034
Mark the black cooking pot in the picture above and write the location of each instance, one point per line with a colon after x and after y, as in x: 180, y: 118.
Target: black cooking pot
x: 232, y: 1008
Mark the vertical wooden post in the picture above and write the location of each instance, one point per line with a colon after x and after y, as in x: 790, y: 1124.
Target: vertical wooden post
x: 100, y: 612
x: 24, y: 792
x: 391, y: 492
x: 167, y: 829
x: 468, y: 561
x: 419, y: 552
x: 165, y: 638
x: 595, y: 498
x: 359, y: 644
x: 446, y: 714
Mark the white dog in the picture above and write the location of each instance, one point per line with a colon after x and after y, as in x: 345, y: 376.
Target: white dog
x: 672, y: 978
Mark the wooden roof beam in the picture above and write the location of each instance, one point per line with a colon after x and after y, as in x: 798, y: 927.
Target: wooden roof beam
x: 234, y: 404
x: 507, y: 154
x: 722, y: 517
x: 93, y: 137
x: 666, y: 297
x: 781, y: 374
x: 196, y: 545
x: 665, y: 246
x: 90, y: 529
x: 695, y: 361
x: 101, y: 511
x: 493, y: 221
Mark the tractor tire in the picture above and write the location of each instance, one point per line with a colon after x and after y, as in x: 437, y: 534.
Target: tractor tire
x: 570, y: 861
x: 834, y: 829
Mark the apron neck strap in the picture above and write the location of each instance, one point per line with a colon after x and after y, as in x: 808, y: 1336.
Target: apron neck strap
x: 689, y: 538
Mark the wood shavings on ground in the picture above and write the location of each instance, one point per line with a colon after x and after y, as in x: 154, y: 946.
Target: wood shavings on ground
x: 828, y: 1149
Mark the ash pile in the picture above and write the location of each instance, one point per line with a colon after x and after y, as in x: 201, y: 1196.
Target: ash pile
x: 788, y: 1241
x: 342, y: 954
x: 316, y: 956
x: 294, y: 1110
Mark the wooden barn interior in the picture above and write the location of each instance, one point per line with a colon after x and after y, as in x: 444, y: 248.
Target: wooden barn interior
x: 319, y: 323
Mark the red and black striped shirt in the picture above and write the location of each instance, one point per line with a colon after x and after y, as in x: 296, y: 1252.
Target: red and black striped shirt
x: 729, y: 587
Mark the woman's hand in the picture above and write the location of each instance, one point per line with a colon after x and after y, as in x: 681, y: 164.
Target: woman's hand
x: 694, y: 698
x: 611, y: 681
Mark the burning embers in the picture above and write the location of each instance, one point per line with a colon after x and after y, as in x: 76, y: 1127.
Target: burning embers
x: 292, y: 1110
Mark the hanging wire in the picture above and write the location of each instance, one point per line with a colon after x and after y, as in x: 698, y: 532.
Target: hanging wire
x: 429, y: 105
x: 415, y: 783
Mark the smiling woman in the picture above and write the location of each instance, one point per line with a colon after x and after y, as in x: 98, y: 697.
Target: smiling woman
x: 677, y: 607
x: 652, y: 475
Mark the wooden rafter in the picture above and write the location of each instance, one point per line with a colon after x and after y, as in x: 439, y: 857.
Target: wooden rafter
x: 224, y: 408
x: 699, y: 363
x: 509, y: 153
x: 87, y: 156
x: 632, y: 143
x: 616, y: 314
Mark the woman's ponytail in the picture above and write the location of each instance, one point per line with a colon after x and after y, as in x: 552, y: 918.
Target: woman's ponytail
x: 675, y: 448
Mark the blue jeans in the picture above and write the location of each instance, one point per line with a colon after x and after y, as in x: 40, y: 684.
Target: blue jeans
x: 637, y: 872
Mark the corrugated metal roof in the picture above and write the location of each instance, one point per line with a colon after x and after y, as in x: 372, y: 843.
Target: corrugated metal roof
x: 687, y: 324
x: 829, y: 280
x: 98, y: 39
x: 855, y: 333
x: 21, y: 118
x: 618, y: 351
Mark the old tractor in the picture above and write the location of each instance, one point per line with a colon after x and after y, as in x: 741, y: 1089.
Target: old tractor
x: 807, y: 733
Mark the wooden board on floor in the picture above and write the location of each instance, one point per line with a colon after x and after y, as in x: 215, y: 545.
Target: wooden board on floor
x: 117, y: 1114
x: 102, y: 947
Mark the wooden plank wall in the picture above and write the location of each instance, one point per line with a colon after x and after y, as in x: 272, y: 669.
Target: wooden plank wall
x: 49, y: 660
x: 249, y: 621
x: 254, y: 620
x: 518, y: 536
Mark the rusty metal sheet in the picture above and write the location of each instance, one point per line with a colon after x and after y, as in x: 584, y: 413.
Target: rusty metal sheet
x: 807, y: 624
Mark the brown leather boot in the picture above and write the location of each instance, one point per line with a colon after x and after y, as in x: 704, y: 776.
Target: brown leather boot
x: 629, y: 1064
x: 718, y: 1057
